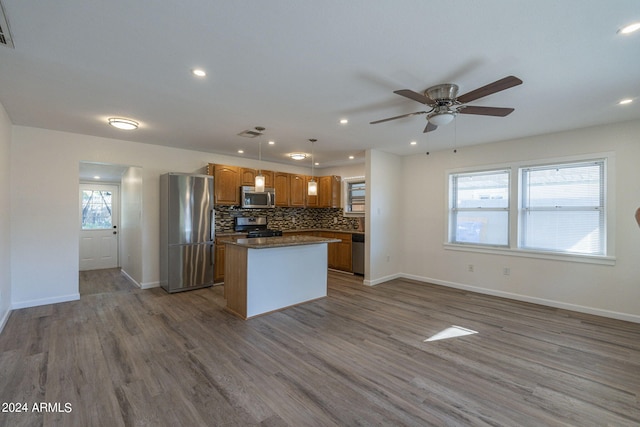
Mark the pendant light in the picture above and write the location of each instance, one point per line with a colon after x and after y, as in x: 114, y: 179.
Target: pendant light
x: 259, y: 182
x: 312, y: 186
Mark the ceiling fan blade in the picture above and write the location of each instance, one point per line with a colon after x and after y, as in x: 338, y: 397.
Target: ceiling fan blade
x: 415, y: 96
x: 398, y: 117
x: 494, y: 87
x: 430, y: 127
x: 486, y: 111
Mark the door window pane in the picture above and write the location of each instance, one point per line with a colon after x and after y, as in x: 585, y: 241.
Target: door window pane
x: 96, y: 209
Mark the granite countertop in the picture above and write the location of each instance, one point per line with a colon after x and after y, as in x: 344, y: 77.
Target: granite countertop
x: 276, y: 241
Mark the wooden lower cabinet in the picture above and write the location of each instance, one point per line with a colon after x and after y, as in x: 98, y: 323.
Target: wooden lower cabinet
x: 339, y: 257
x: 218, y: 266
x: 343, y: 252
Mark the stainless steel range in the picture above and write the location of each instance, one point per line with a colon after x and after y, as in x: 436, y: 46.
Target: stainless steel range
x: 254, y: 226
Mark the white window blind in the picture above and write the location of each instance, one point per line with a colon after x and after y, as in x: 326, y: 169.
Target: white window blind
x: 479, y: 208
x: 356, y: 196
x: 562, y: 208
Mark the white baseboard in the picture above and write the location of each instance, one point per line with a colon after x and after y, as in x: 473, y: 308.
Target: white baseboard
x: 5, y: 319
x: 131, y: 279
x: 382, y: 279
x: 44, y: 301
x: 534, y: 300
x: 149, y: 285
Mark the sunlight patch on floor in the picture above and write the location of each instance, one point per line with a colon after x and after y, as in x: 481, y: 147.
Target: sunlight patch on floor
x: 451, y: 332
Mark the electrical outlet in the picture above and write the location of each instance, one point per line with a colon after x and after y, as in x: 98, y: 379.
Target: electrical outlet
x: 506, y: 271
x: 470, y: 268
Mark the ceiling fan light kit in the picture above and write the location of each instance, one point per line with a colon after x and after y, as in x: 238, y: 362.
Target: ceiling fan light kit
x: 446, y: 104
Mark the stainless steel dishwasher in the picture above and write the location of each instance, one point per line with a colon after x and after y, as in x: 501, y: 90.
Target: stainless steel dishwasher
x: 357, y: 253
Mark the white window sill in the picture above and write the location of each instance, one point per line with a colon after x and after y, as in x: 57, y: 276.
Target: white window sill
x: 589, y: 259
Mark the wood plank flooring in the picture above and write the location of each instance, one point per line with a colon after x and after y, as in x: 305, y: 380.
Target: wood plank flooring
x: 127, y: 357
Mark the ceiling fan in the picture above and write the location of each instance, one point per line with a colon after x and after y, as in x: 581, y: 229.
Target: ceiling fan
x: 446, y: 104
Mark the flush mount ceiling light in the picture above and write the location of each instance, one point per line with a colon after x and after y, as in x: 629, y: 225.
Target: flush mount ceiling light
x: 199, y: 72
x: 124, y: 124
x: 625, y: 101
x: 629, y: 28
x: 298, y: 156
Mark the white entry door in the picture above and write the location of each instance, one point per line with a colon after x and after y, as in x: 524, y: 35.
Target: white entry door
x: 98, y: 226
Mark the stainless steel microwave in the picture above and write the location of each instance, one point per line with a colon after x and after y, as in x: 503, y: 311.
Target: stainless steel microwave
x: 250, y: 198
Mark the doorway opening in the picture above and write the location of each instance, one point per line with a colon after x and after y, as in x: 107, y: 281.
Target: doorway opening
x: 110, y: 227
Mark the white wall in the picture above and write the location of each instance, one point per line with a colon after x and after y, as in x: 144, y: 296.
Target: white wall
x: 45, y: 214
x: 5, y: 228
x: 600, y: 289
x: 344, y: 171
x: 131, y: 224
x: 383, y: 210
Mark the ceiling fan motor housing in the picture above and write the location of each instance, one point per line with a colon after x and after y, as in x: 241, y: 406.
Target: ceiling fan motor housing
x: 444, y: 94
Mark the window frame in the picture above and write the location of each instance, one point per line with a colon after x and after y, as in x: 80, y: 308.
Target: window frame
x: 609, y: 257
x: 524, y: 208
x: 453, y: 208
x: 348, y: 182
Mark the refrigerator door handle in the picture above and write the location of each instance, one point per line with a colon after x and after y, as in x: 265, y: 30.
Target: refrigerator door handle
x: 212, y: 226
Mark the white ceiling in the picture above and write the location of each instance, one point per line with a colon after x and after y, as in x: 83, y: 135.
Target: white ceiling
x: 298, y: 67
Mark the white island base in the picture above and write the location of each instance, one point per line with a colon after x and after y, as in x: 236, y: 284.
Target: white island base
x: 266, y: 279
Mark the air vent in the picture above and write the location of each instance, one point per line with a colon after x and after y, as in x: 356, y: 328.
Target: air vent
x: 250, y: 133
x: 5, y: 35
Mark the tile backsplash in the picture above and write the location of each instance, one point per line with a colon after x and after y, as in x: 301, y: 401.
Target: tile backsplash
x: 289, y: 218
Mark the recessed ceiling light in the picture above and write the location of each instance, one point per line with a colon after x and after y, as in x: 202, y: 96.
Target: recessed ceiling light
x: 344, y: 121
x: 351, y: 157
x: 298, y: 156
x: 199, y: 72
x: 240, y: 151
x: 272, y: 142
x: 413, y: 143
x: 124, y: 124
x: 630, y: 28
x: 317, y: 164
x: 96, y: 177
x: 626, y: 101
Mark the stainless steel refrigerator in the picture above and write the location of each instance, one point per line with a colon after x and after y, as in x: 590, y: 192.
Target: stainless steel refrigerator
x: 187, y: 231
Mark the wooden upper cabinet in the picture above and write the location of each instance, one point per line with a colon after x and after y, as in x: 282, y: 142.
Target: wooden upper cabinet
x: 312, y: 201
x: 297, y: 190
x: 329, y: 191
x: 291, y: 189
x: 226, y: 184
x: 248, y: 177
x: 281, y: 185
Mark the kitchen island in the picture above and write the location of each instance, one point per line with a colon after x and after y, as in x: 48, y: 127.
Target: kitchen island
x: 266, y: 274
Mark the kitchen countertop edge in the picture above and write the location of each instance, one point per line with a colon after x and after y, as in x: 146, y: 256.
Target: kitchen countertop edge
x: 276, y: 241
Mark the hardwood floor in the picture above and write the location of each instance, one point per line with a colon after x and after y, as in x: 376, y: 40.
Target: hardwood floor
x: 104, y: 281
x: 144, y: 357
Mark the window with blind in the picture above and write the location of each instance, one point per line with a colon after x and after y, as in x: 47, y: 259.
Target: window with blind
x: 355, y: 197
x: 562, y: 208
x: 479, y: 208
